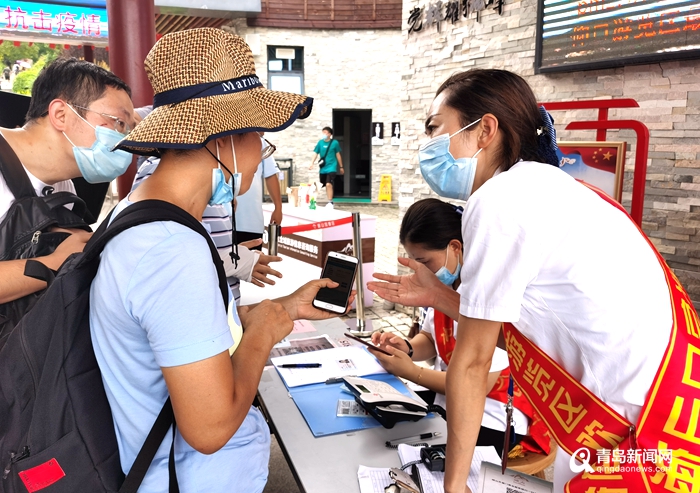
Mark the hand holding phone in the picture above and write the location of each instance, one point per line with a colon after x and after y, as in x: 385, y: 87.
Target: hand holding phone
x: 341, y: 269
x: 368, y: 344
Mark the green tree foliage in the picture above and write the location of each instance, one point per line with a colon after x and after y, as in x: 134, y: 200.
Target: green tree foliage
x: 25, y: 80
x: 9, y: 53
x: 39, y: 53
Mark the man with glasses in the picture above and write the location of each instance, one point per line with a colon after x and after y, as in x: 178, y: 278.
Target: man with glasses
x: 78, y: 112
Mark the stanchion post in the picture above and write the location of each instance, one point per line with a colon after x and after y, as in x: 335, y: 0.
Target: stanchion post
x: 360, y: 327
x: 273, y: 235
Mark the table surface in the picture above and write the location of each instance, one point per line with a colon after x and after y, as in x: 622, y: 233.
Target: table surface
x: 330, y: 463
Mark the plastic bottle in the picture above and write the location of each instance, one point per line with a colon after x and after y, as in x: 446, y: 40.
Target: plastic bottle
x: 312, y: 200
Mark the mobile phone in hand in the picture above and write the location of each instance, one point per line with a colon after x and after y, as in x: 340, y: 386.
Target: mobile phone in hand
x: 341, y: 269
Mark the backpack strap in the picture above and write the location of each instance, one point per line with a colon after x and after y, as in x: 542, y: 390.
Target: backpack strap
x: 330, y: 142
x: 13, y: 172
x: 147, y: 211
x: 155, y: 437
x: 60, y: 199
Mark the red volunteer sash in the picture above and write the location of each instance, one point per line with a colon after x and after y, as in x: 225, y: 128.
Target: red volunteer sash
x: 538, y: 440
x: 664, y: 456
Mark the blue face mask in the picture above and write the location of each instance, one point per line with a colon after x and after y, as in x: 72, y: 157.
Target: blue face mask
x: 445, y: 276
x: 99, y: 164
x: 223, y: 192
x: 447, y: 176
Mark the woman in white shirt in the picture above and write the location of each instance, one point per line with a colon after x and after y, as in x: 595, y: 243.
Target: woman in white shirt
x: 431, y: 235
x: 573, y: 275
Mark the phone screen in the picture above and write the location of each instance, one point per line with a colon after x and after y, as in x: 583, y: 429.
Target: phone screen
x: 342, y: 272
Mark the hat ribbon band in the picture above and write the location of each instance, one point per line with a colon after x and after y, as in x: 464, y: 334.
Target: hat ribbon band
x: 218, y: 88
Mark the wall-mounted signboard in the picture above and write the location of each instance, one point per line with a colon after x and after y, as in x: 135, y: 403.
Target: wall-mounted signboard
x: 589, y: 34
x: 41, y: 21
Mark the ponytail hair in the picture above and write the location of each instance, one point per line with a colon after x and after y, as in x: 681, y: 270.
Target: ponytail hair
x: 548, y: 139
x: 432, y: 224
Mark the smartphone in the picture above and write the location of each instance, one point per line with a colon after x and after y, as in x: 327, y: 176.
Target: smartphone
x: 341, y: 269
x: 368, y: 344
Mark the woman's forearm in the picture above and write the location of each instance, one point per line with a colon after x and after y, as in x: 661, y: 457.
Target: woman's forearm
x: 430, y: 379
x: 423, y: 347
x: 447, y: 302
x: 466, y: 395
x: 466, y: 389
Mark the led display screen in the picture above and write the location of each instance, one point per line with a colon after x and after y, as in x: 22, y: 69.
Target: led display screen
x: 586, y: 34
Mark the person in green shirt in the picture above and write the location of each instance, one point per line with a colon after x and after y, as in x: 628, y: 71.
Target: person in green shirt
x: 327, y: 154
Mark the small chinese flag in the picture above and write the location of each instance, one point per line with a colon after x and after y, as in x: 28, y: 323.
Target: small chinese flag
x: 52, y: 46
x: 17, y: 43
x: 602, y: 157
x: 66, y: 47
x: 106, y: 48
x: 2, y: 41
x: 31, y: 44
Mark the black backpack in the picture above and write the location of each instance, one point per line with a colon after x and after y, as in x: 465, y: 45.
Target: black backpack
x: 56, y: 428
x: 24, y: 232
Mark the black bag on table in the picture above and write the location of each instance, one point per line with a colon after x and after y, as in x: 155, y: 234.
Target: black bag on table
x: 25, y: 231
x: 56, y: 427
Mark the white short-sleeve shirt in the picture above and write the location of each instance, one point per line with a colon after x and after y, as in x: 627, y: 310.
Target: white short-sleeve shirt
x: 573, y: 274
x: 249, y: 214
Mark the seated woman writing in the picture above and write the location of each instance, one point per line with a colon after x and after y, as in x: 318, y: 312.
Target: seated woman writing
x: 431, y: 235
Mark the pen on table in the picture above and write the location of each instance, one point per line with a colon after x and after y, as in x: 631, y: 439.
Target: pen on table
x: 422, y: 436
x: 301, y: 365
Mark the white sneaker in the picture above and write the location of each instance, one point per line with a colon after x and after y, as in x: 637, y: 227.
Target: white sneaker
x: 329, y: 205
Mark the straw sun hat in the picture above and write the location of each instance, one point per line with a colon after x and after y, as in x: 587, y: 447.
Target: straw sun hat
x: 205, y: 88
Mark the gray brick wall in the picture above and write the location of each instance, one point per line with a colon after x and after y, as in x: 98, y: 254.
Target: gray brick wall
x: 343, y: 69
x: 668, y: 94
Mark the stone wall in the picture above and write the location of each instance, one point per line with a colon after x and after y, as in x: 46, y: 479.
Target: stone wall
x: 343, y: 69
x: 668, y: 94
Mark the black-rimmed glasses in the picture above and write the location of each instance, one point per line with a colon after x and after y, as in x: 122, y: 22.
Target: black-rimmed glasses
x: 269, y: 150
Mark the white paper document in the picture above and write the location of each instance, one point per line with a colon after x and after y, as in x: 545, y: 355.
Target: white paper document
x: 336, y: 362
x: 433, y: 481
x: 373, y: 479
x: 492, y: 481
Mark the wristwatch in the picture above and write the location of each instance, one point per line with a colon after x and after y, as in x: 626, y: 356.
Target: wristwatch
x: 410, y: 348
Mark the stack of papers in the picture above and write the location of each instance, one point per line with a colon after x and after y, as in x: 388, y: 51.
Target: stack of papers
x: 433, y: 481
x: 295, y: 346
x: 375, y: 479
x: 335, y: 363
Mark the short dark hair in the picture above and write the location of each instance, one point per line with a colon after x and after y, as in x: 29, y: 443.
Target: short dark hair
x: 506, y: 96
x: 432, y: 224
x: 75, y: 81
x: 328, y: 129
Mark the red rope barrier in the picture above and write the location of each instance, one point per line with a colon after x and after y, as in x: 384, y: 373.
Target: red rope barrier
x: 288, y: 230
